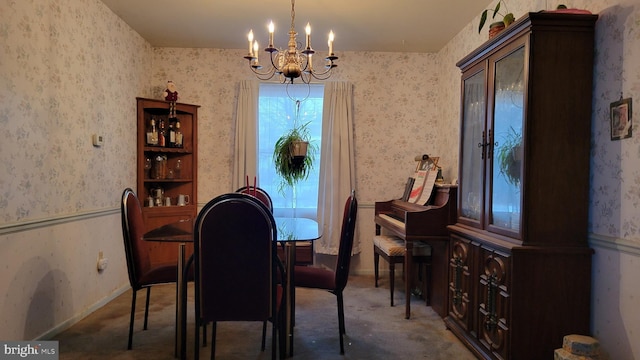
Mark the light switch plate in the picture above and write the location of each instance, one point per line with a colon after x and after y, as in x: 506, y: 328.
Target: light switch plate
x: 98, y: 140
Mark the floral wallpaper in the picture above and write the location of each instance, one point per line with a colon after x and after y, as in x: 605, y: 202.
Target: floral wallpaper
x: 68, y: 69
x: 395, y: 116
x: 72, y: 68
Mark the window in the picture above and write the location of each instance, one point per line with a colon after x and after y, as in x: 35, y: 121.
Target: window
x: 276, y: 112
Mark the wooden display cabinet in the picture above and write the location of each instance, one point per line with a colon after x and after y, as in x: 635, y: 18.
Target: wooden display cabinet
x: 520, y: 265
x: 171, y: 181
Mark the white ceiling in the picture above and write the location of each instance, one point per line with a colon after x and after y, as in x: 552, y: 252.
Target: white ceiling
x: 359, y: 25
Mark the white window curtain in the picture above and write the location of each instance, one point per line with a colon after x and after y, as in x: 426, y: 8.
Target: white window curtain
x: 337, y: 169
x: 246, y: 144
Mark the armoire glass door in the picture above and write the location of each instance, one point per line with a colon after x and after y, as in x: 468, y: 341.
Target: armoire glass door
x: 473, y: 144
x: 507, y: 129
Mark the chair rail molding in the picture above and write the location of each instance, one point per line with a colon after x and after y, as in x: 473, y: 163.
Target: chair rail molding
x: 614, y: 243
x: 55, y: 220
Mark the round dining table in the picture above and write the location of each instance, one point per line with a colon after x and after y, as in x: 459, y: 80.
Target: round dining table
x: 290, y: 231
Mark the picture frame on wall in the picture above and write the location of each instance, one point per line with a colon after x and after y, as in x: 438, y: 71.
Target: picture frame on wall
x: 621, y: 122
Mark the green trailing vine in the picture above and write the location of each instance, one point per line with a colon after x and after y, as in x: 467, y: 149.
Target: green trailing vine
x: 294, y: 168
x: 510, y: 156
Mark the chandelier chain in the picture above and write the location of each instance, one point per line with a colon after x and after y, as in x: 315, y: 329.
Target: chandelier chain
x: 293, y: 14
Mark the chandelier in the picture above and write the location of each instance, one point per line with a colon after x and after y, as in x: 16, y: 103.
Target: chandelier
x: 292, y: 63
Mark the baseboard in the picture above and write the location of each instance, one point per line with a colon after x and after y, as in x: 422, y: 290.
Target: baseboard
x: 75, y: 319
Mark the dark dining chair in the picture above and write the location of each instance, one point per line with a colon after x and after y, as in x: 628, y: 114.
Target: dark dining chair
x: 258, y: 192
x: 334, y: 280
x: 265, y: 198
x: 233, y: 284
x: 142, y: 273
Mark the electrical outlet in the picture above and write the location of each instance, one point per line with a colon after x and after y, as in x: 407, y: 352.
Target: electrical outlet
x: 102, y: 262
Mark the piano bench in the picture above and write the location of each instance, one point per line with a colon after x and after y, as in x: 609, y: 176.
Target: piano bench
x: 392, y: 249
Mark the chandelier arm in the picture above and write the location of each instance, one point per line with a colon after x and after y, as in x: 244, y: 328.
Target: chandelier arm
x: 306, y: 80
x: 273, y: 64
x: 304, y: 68
x: 320, y: 76
x: 263, y: 75
x: 286, y: 80
x: 327, y: 72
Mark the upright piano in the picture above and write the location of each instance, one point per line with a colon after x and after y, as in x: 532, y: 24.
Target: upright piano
x: 426, y: 223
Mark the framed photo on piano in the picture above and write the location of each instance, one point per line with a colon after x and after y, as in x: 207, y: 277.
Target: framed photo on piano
x: 425, y: 177
x: 423, y: 164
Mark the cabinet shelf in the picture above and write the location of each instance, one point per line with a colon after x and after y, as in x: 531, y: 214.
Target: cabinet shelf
x: 169, y: 210
x: 177, y: 181
x: 158, y: 149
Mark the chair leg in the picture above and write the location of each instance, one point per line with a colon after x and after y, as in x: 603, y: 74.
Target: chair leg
x: 427, y: 282
x: 392, y: 278
x: 133, y: 314
x: 274, y: 338
x: 264, y: 335
x: 282, y: 333
x: 376, y: 262
x: 199, y: 322
x: 341, y: 327
x: 183, y: 315
x: 196, y: 349
x: 213, y: 339
x: 204, y: 334
x: 146, y: 308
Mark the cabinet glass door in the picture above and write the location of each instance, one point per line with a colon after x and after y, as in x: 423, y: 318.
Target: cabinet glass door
x: 473, y: 123
x: 508, y: 114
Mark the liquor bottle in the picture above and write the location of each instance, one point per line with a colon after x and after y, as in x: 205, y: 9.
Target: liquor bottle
x: 179, y: 136
x: 152, y: 134
x: 161, y: 134
x: 171, y: 137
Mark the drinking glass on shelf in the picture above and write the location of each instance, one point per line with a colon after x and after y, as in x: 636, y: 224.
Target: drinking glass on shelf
x: 147, y: 167
x: 178, y: 169
x: 159, y: 167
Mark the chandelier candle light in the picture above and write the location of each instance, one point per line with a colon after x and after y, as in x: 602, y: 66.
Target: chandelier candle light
x: 291, y: 63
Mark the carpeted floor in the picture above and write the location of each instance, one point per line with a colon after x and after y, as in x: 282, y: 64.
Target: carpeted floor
x: 374, y: 329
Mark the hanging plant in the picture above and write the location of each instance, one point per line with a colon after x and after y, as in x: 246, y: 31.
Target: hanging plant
x: 293, y: 154
x: 510, y: 157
